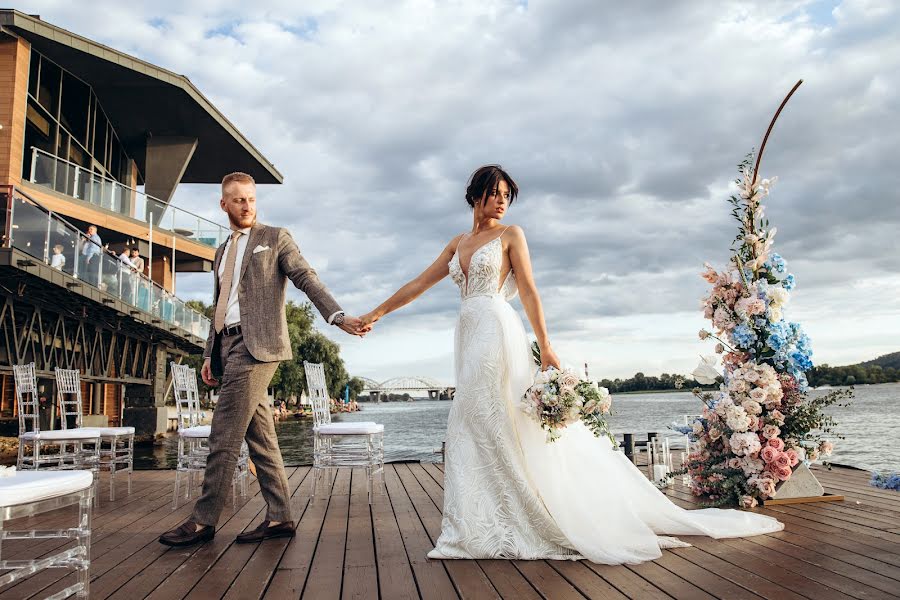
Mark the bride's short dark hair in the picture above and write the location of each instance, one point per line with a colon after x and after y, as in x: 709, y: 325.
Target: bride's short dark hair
x: 485, y: 179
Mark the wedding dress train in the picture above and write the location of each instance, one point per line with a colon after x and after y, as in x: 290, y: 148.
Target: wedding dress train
x: 508, y: 493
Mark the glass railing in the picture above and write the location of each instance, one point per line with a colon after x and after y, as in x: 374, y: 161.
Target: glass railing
x: 51, y: 239
x: 73, y: 180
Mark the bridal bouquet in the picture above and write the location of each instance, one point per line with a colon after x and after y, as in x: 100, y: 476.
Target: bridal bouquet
x: 559, y: 398
x: 760, y: 424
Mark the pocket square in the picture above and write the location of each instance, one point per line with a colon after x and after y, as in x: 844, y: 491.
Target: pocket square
x: 260, y: 249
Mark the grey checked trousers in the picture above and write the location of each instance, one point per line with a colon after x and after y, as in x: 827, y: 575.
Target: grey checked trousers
x: 243, y: 412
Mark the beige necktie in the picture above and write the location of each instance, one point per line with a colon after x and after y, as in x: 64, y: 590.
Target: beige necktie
x: 225, y: 282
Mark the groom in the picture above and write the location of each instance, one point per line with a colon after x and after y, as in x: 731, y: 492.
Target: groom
x: 247, y: 340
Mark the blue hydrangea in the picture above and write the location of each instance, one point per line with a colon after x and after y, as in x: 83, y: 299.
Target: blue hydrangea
x: 776, y: 342
x: 780, y: 328
x: 743, y: 336
x: 788, y: 282
x: 886, y: 481
x: 803, y: 344
x: 760, y: 321
x: 776, y: 263
x: 801, y: 361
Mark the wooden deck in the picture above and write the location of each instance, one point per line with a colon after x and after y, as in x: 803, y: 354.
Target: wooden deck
x: 345, y: 549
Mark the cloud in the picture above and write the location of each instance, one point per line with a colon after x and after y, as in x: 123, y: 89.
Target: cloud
x: 621, y: 122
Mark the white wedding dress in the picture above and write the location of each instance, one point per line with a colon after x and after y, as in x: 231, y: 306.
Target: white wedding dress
x: 507, y: 492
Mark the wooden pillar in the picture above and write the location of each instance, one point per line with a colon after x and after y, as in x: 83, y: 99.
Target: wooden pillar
x: 162, y: 267
x: 15, y: 57
x: 628, y: 442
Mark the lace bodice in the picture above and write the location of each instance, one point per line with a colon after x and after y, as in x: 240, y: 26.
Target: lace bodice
x: 484, y: 273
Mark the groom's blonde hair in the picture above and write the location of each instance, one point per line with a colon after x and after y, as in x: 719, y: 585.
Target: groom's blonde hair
x: 237, y: 177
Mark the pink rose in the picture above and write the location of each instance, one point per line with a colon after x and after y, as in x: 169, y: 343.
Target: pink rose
x: 783, y: 473
x: 776, y: 443
x: 768, y: 454
x: 748, y: 502
x: 770, y: 431
x: 735, y: 463
x: 793, y: 458
x: 766, y: 485
x: 782, y: 460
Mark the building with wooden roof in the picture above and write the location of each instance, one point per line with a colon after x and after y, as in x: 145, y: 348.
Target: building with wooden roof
x: 92, y: 136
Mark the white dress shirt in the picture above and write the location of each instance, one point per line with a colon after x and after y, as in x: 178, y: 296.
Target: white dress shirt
x: 233, y: 309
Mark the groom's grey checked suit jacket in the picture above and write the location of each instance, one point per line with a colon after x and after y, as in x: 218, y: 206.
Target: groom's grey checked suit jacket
x: 270, y: 260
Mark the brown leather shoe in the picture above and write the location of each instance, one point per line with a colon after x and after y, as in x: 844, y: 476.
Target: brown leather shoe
x: 264, y: 532
x: 186, y: 534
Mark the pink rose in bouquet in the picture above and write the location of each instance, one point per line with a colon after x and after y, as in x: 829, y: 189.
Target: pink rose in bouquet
x: 748, y: 502
x: 776, y: 443
x: 793, y: 457
x: 784, y: 473
x: 768, y: 454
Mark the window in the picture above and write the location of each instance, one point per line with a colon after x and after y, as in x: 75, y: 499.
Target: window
x: 33, y: 74
x: 73, y: 114
x: 40, y: 133
x: 48, y: 90
x: 60, y: 103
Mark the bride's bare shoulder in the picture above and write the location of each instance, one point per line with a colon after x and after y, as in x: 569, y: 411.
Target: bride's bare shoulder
x: 514, y: 232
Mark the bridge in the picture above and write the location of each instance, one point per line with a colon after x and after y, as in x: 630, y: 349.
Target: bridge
x: 435, y: 389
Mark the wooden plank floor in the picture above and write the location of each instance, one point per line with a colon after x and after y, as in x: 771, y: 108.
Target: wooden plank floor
x: 346, y: 549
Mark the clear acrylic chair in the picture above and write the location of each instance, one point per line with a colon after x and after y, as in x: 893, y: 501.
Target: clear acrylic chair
x: 116, y: 443
x: 193, y: 438
x: 54, y: 449
x: 33, y: 493
x: 354, y: 444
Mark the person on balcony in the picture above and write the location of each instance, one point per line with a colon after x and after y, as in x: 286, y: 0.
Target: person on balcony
x: 58, y: 259
x: 126, y: 272
x: 137, y: 261
x: 91, y: 251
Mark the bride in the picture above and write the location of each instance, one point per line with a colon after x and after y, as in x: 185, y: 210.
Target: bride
x: 508, y: 493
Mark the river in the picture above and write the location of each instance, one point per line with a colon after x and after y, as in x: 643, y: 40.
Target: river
x: 414, y: 430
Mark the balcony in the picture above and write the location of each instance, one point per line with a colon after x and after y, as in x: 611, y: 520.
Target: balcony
x: 72, y: 180
x: 52, y: 240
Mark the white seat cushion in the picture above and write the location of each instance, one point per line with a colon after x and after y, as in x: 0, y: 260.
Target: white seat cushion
x: 197, y: 431
x: 31, y: 486
x: 349, y: 429
x: 62, y: 434
x: 357, y: 424
x: 112, y: 430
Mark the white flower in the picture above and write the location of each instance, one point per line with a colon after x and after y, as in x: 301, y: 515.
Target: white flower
x: 752, y: 406
x: 706, y: 373
x: 744, y: 444
x: 758, y: 395
x: 778, y: 296
x: 737, y: 419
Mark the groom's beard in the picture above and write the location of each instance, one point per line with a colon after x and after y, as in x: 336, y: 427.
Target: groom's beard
x: 236, y: 226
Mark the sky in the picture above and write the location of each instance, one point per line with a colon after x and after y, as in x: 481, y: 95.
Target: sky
x: 622, y: 123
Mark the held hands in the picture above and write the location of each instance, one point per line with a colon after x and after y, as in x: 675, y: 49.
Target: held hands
x: 355, y: 326
x: 369, y: 319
